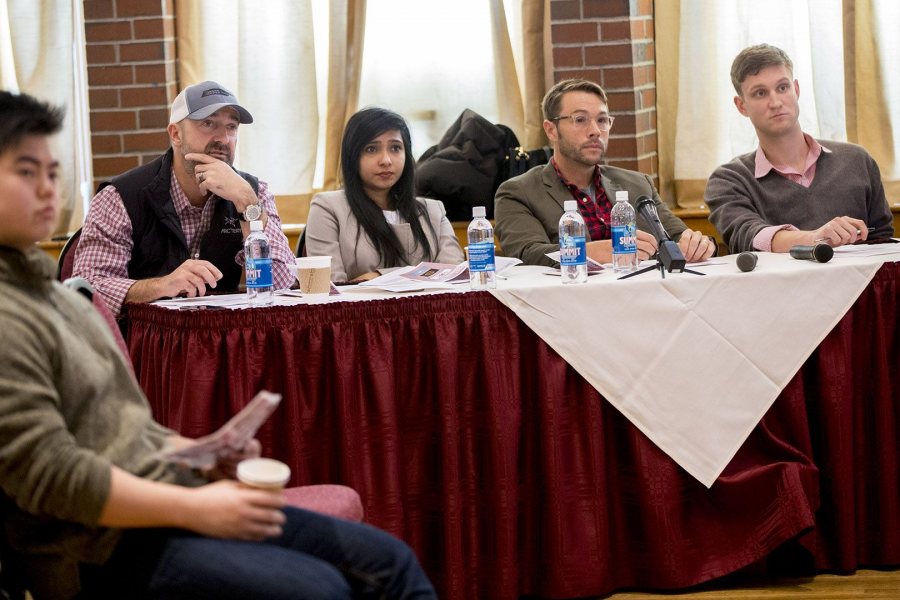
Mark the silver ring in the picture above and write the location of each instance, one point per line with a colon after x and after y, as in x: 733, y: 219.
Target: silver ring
x: 202, y: 177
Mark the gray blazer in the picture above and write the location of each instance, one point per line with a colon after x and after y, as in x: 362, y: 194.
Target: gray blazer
x: 332, y: 230
x: 527, y: 209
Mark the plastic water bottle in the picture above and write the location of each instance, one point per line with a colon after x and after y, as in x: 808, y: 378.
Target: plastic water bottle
x: 481, y: 251
x: 572, y: 245
x: 624, y: 240
x: 258, y: 266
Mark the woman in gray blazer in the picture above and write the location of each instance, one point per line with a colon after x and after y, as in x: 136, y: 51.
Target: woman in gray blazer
x: 376, y: 223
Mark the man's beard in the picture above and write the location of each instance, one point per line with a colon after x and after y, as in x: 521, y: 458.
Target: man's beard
x: 575, y: 153
x: 190, y: 165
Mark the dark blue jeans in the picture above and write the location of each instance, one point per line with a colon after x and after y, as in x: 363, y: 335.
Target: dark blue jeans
x: 315, y: 557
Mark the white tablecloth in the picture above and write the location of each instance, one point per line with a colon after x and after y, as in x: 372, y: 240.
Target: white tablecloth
x: 694, y: 362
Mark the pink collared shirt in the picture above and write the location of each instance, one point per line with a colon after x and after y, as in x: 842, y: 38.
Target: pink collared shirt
x: 763, y: 240
x: 105, y: 247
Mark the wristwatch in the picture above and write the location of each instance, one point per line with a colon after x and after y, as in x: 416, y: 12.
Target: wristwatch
x: 252, y: 213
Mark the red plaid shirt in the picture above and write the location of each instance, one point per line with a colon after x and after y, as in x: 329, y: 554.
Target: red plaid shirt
x: 595, y: 211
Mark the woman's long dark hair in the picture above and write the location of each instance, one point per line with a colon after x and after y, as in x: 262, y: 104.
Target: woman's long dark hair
x: 362, y: 128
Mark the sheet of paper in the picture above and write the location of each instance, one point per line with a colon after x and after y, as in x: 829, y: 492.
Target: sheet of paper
x: 213, y: 301
x: 428, y: 271
x: 432, y: 276
x: 394, y: 281
x: 234, y: 435
x: 867, y: 250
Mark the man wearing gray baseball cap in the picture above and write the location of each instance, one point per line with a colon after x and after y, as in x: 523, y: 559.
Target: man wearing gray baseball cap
x: 176, y: 226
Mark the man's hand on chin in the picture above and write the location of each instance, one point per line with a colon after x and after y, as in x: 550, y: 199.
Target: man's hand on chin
x: 217, y: 177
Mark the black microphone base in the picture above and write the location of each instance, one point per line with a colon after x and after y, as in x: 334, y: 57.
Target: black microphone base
x: 671, y: 257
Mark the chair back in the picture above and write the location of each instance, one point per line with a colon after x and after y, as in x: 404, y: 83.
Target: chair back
x: 12, y: 587
x: 66, y: 263
x: 301, y: 244
x: 83, y: 286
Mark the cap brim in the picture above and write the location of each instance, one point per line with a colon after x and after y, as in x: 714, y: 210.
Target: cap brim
x: 244, y: 116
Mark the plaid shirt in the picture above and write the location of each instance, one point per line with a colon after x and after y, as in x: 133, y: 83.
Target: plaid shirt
x: 595, y: 211
x: 104, y: 249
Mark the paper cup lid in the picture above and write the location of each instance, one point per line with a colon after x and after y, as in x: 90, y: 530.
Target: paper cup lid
x: 263, y: 472
x: 313, y: 262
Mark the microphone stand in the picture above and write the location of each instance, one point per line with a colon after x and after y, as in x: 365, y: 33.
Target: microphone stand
x: 668, y: 255
x: 662, y: 270
x: 659, y: 265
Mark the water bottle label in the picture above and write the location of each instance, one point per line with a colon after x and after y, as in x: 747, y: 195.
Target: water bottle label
x: 481, y: 257
x: 572, y: 251
x: 623, y: 239
x: 259, y: 272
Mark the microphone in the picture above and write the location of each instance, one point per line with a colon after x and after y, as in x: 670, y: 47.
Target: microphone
x: 669, y: 254
x: 819, y: 253
x: 746, y: 261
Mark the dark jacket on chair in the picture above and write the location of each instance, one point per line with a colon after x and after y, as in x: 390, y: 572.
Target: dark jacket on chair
x: 463, y: 169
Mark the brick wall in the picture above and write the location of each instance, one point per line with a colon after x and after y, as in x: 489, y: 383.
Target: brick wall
x: 131, y: 79
x: 611, y: 42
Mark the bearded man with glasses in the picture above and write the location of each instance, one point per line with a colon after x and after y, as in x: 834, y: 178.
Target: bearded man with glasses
x: 527, y: 208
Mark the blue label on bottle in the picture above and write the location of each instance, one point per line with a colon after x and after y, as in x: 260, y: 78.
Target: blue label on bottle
x: 623, y: 239
x: 481, y: 257
x: 259, y: 272
x: 572, y: 251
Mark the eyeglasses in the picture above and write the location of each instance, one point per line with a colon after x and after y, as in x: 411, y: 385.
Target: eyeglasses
x: 581, y: 121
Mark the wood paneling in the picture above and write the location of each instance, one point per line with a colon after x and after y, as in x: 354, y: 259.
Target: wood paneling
x: 869, y: 585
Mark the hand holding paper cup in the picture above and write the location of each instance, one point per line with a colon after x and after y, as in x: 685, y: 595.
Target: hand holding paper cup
x: 263, y: 473
x: 314, y: 274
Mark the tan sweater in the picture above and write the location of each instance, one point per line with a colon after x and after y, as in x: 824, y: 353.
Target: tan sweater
x: 69, y: 408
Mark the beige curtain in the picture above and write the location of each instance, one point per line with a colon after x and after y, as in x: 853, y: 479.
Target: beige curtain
x: 347, y: 26
x: 537, y: 67
x: 522, y: 49
x: 667, y: 24
x: 872, y: 85
x: 270, y: 65
x: 509, y: 96
x: 42, y: 54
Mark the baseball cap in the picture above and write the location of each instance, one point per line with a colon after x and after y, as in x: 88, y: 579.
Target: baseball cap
x: 200, y: 100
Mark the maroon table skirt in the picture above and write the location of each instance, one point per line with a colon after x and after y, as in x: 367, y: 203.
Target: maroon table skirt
x: 471, y: 439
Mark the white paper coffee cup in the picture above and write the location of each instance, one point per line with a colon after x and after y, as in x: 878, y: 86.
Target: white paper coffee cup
x: 314, y: 274
x: 264, y: 473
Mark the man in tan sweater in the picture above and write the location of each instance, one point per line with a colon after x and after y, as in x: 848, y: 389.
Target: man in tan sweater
x: 87, y: 503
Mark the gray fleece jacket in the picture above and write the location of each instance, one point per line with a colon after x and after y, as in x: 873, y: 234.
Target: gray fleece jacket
x: 69, y: 408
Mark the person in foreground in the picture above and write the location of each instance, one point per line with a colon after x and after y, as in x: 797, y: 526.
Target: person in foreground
x: 88, y: 506
x: 177, y: 224
x: 527, y: 208
x: 376, y: 223
x: 793, y: 189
